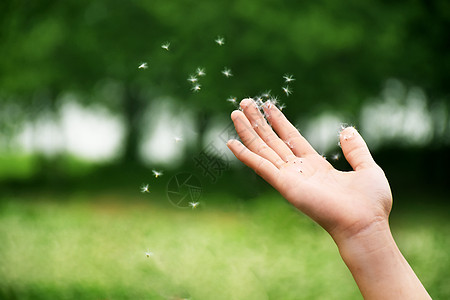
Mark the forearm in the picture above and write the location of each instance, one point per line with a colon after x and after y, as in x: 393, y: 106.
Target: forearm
x: 378, y: 267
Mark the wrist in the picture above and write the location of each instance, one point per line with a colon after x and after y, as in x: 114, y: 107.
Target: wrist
x: 368, y: 239
x: 378, y: 266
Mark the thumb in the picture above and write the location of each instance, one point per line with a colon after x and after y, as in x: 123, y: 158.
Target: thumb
x: 355, y: 149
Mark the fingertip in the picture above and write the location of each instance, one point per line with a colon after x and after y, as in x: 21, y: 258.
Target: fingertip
x: 234, y: 114
x: 355, y: 148
x: 236, y: 147
x: 268, y: 105
x: 270, y: 109
x: 231, y: 141
x: 348, y: 129
x: 246, y: 102
x: 348, y: 133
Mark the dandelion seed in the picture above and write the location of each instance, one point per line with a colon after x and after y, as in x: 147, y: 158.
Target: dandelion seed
x: 266, y: 94
x: 227, y: 72
x: 335, y: 156
x: 220, y: 41
x: 287, y: 90
x: 232, y: 100
x: 145, y: 188
x: 281, y: 107
x: 288, y: 78
x: 157, y: 173
x: 200, y: 72
x: 343, y: 126
x: 166, y: 46
x: 196, y: 87
x: 192, y: 79
x: 143, y: 65
x: 273, y: 100
x: 259, y: 102
x: 148, y: 253
x: 194, y: 204
x: 178, y: 139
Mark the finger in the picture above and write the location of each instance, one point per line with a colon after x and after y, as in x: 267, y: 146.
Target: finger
x: 287, y: 132
x: 260, y: 165
x: 264, y: 130
x: 355, y: 149
x: 252, y: 140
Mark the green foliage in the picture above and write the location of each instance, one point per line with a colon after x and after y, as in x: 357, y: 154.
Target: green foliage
x: 346, y: 50
x: 17, y: 166
x: 339, y: 53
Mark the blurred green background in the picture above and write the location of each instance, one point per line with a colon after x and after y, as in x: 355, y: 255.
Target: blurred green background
x: 82, y: 127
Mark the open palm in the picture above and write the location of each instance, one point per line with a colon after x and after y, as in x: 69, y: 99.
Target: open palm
x: 344, y: 203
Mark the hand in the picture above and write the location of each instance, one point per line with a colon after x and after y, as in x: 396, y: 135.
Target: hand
x: 343, y: 203
x: 352, y: 206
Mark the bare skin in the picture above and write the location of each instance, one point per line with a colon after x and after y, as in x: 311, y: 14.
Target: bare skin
x: 353, y: 207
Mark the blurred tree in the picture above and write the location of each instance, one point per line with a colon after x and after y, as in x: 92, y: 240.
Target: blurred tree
x: 340, y: 53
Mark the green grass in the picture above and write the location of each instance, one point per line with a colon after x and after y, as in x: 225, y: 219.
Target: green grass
x: 93, y: 247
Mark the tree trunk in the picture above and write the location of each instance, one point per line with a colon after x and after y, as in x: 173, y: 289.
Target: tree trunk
x: 132, y: 108
x: 203, y: 121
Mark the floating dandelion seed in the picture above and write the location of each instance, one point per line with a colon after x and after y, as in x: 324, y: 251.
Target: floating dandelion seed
x: 273, y: 100
x: 288, y: 78
x: 166, y: 46
x: 342, y: 127
x: 220, y: 40
x: 287, y: 90
x: 196, y: 87
x: 143, y: 65
x: 178, y: 139
x: 157, y: 173
x: 259, y: 103
x: 267, y: 104
x: 282, y: 106
x: 200, y: 72
x: 148, y: 253
x: 194, y: 204
x: 192, y: 79
x: 335, y: 156
x: 227, y: 72
x: 145, y: 188
x: 266, y: 94
x: 232, y: 100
